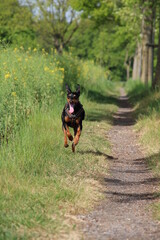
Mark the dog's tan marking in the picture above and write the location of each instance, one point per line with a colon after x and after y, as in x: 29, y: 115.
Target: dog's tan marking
x: 65, y: 138
x: 67, y: 119
x: 69, y: 135
x: 77, y: 136
x: 77, y: 121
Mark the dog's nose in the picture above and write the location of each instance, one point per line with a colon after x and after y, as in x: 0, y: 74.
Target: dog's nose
x: 72, y: 96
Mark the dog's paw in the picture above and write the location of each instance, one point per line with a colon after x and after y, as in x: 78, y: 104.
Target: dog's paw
x: 73, y: 147
x: 70, y: 138
x: 66, y: 145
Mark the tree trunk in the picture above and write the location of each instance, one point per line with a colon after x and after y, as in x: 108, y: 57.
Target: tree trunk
x: 137, y: 64
x: 127, y: 64
x: 147, y: 41
x: 156, y: 81
x: 145, y: 49
x: 58, y: 44
x: 151, y: 41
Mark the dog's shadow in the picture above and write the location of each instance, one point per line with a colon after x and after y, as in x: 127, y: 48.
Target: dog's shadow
x: 97, y: 153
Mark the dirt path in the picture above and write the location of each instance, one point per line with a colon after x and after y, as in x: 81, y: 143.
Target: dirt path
x: 130, y: 188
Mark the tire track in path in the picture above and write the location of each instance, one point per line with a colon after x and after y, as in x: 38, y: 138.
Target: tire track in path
x: 130, y: 188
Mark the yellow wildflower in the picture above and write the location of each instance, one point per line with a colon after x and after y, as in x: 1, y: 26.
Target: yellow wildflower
x: 8, y: 75
x: 46, y: 69
x: 61, y: 69
x: 14, y: 94
x: 35, y: 50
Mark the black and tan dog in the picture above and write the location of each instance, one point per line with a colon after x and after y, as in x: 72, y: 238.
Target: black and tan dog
x: 72, y: 116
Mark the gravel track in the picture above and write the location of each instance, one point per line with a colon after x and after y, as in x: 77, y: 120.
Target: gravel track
x: 130, y: 188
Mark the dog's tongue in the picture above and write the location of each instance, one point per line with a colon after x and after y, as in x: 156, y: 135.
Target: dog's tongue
x: 71, y: 108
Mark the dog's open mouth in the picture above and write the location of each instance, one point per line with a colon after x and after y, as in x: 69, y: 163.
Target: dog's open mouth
x: 71, y: 108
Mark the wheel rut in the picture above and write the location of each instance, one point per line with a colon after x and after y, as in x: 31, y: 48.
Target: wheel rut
x: 130, y: 188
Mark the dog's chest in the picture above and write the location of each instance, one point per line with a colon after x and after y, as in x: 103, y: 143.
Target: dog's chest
x: 71, y: 121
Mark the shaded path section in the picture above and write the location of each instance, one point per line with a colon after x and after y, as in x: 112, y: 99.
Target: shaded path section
x: 130, y: 188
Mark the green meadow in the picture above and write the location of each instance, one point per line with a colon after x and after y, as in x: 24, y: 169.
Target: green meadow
x: 147, y: 114
x: 42, y: 183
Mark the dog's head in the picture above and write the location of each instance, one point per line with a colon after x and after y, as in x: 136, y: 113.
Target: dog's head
x: 72, y: 97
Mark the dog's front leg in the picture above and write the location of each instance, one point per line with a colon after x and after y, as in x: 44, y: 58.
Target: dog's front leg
x: 76, y: 138
x: 65, y: 138
x: 69, y: 134
x: 67, y: 129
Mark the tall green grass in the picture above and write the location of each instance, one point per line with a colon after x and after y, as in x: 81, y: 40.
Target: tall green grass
x: 32, y: 79
x: 41, y: 183
x: 147, y: 114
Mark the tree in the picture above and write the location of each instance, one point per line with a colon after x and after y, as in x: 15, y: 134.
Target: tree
x: 147, y: 41
x: 119, y: 24
x: 104, y: 43
x: 140, y: 15
x: 16, y: 23
x: 56, y: 23
x: 156, y: 80
x: 83, y: 39
x: 137, y: 63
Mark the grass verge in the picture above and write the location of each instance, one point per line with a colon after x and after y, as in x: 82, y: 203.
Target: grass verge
x: 147, y: 114
x: 42, y: 184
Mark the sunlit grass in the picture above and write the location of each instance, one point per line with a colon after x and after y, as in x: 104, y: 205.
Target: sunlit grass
x: 147, y: 114
x: 32, y: 78
x: 41, y: 182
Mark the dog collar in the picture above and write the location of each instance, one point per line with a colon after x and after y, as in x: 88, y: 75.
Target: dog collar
x: 73, y: 116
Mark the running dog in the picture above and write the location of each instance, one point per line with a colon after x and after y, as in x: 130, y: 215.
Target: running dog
x: 72, y: 116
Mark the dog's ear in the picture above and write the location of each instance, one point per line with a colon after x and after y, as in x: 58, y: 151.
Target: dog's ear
x: 78, y: 89
x: 68, y: 89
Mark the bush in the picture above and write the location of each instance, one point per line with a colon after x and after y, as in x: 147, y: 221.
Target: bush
x: 34, y: 78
